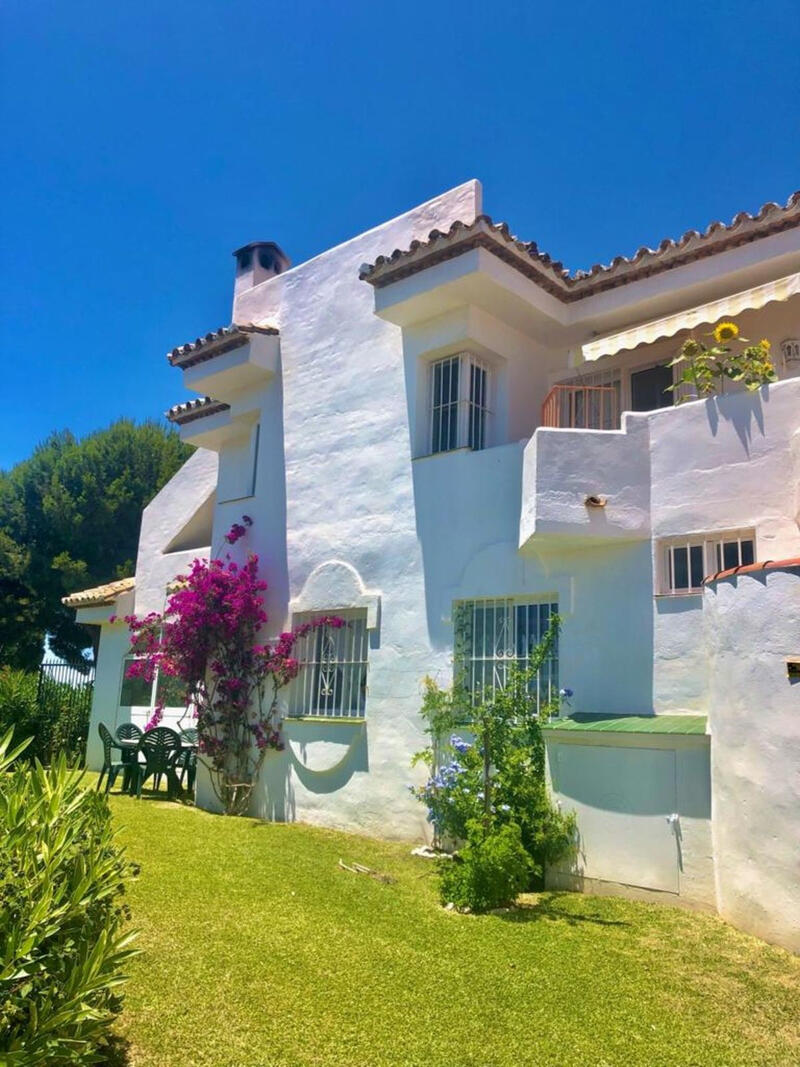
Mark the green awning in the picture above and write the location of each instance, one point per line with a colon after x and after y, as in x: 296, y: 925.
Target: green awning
x: 631, y: 724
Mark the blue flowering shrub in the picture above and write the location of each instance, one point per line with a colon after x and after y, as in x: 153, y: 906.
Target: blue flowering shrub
x: 489, y: 872
x: 486, y: 768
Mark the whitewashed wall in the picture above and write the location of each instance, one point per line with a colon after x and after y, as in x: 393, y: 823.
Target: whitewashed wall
x: 179, y: 508
x: 167, y: 514
x: 719, y: 464
x: 751, y: 627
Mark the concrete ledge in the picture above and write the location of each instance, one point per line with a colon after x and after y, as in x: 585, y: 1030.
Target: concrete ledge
x: 577, y: 883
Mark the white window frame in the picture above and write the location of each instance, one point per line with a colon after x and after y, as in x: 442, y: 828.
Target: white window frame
x: 468, y: 406
x: 483, y: 666
x: 332, y: 681
x: 126, y: 660
x: 712, y: 548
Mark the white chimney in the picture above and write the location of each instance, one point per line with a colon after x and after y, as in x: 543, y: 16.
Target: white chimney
x: 257, y: 262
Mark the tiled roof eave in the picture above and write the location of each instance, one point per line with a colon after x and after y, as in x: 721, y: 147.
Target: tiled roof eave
x: 215, y: 343
x: 191, y: 410
x: 550, y: 276
x: 483, y: 240
x: 99, y: 595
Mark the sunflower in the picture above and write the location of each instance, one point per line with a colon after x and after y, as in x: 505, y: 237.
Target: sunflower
x: 726, y: 331
x: 765, y: 344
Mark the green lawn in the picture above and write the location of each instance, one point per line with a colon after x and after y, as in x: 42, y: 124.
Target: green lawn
x: 258, y: 949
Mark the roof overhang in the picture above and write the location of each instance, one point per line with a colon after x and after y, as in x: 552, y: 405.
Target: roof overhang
x: 92, y: 605
x: 711, y: 312
x: 228, y: 373
x: 474, y: 277
x: 551, y: 275
x: 215, y: 343
x: 99, y: 595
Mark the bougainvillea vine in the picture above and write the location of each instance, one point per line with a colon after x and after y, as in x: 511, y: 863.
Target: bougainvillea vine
x: 207, y: 636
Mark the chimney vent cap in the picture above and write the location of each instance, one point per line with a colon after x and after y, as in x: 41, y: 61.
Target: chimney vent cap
x: 259, y: 244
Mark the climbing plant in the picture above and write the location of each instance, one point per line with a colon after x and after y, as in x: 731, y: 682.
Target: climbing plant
x: 207, y: 638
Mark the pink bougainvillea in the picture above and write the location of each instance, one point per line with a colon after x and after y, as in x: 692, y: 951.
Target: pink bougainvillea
x: 207, y: 638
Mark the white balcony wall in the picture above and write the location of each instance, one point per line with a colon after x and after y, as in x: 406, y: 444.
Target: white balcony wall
x: 563, y: 467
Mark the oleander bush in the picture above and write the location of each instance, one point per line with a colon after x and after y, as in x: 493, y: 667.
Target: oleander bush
x: 488, y: 872
x: 63, y: 942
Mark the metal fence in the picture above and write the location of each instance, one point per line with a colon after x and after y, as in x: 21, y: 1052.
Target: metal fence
x: 64, y: 702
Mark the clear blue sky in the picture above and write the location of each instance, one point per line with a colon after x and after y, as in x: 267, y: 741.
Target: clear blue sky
x: 144, y: 141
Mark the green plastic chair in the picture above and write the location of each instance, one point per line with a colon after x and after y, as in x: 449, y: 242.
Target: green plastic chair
x: 161, y: 748
x: 128, y: 731
x: 187, y: 761
x: 111, y: 767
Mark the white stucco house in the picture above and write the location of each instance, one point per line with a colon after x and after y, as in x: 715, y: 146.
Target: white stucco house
x: 436, y: 414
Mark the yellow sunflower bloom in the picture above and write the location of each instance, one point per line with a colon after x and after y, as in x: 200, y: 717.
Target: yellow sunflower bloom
x: 765, y: 343
x: 726, y: 331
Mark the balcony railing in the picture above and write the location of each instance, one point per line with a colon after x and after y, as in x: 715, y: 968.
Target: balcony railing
x: 582, y: 407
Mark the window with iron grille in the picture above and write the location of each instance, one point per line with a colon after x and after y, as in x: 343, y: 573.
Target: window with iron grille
x: 490, y: 635
x: 735, y: 550
x: 333, y: 675
x: 685, y: 562
x: 459, y: 403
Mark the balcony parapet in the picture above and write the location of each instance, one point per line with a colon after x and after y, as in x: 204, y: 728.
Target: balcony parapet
x: 588, y: 486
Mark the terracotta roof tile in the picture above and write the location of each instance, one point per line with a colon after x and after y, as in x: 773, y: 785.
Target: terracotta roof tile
x: 101, y: 594
x: 551, y: 274
x: 190, y: 410
x: 753, y: 568
x: 215, y: 343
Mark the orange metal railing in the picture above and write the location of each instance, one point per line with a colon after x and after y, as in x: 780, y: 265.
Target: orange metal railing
x: 581, y: 407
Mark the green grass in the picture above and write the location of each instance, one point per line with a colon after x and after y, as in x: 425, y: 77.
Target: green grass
x: 259, y: 950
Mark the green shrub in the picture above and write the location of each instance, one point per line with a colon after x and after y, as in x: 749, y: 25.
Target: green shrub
x: 54, y: 715
x: 18, y: 708
x: 497, y: 776
x: 62, y: 946
x: 489, y: 872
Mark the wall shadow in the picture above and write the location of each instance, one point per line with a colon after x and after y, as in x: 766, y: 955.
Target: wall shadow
x: 679, y: 605
x: 551, y: 907
x: 741, y: 410
x: 324, y: 756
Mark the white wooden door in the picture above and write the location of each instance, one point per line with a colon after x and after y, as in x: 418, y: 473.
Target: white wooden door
x: 624, y: 799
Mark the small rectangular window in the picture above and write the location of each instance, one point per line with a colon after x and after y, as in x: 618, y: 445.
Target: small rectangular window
x: 490, y: 635
x: 685, y: 562
x: 459, y: 403
x: 333, y: 675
